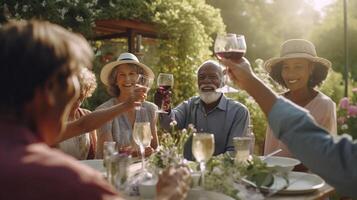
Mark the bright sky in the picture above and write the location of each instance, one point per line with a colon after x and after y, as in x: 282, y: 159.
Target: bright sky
x: 320, y: 4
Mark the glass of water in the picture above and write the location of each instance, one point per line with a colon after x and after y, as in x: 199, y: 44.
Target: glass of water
x: 109, y: 149
x: 242, y: 148
x: 119, y: 173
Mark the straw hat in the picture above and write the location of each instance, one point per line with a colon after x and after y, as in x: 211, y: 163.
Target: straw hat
x: 299, y: 48
x: 124, y: 58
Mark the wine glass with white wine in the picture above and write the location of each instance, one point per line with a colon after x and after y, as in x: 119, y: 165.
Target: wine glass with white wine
x: 202, y: 149
x: 142, y: 136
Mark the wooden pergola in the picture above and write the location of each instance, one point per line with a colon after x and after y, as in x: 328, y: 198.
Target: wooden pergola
x: 132, y: 30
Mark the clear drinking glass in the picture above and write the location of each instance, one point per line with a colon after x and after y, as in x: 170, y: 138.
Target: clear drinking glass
x: 109, y: 149
x: 242, y: 146
x: 121, y: 163
x: 229, y: 46
x: 142, y: 135
x: 165, y: 82
x: 202, y: 150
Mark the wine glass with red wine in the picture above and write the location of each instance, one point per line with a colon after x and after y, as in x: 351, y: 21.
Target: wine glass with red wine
x: 165, y: 82
x: 229, y: 46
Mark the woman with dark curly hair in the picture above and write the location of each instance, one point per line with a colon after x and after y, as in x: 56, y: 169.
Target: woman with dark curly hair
x: 300, y: 70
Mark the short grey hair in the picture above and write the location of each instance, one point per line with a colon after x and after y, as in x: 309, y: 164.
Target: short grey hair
x: 217, y: 65
x: 113, y: 89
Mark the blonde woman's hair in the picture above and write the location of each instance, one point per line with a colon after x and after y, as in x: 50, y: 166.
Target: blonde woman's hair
x: 87, y: 82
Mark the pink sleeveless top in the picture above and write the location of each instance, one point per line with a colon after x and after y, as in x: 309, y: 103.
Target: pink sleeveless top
x: 322, y: 108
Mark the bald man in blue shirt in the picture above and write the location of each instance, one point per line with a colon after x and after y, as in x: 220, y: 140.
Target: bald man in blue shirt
x: 210, y: 112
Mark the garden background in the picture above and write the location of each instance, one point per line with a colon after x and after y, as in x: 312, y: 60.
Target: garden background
x: 189, y: 27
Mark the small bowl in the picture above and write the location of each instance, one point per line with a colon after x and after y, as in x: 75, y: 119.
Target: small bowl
x: 282, y: 164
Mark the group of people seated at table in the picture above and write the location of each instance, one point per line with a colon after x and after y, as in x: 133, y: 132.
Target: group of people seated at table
x: 44, y: 81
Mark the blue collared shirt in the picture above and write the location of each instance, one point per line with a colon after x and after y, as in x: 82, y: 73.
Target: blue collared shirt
x: 334, y: 159
x: 227, y: 120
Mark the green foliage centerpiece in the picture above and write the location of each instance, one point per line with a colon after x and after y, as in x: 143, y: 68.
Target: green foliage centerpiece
x: 170, y: 151
x: 223, y: 173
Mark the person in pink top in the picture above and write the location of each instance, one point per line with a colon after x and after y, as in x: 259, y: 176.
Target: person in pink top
x: 300, y: 70
x: 38, y: 85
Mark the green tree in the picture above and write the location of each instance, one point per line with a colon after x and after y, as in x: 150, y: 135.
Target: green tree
x: 329, y: 37
x: 189, y: 24
x: 267, y: 23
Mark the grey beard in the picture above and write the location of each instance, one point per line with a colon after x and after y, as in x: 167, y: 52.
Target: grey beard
x: 209, y: 97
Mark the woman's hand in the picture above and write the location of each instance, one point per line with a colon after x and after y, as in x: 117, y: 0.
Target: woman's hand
x: 173, y: 184
x: 138, y: 95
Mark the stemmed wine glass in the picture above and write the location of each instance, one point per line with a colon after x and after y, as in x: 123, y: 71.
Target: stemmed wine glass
x: 202, y: 149
x: 142, y: 136
x: 164, y: 83
x: 143, y: 81
x: 229, y: 46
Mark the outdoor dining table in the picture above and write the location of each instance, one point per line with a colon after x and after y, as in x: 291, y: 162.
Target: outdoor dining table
x: 320, y: 193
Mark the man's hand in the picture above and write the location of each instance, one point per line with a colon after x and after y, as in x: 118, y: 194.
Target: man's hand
x: 162, y: 98
x: 240, y: 73
x: 173, y: 184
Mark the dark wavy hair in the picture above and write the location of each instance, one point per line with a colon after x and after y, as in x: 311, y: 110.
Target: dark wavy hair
x: 318, y: 75
x: 33, y: 52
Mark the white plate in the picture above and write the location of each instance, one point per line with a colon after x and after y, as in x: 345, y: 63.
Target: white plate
x: 95, y: 164
x: 299, y: 183
x: 194, y: 194
x: 282, y: 164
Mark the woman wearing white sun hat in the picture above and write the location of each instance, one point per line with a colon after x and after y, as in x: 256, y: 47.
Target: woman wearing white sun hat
x: 120, y: 77
x: 300, y: 70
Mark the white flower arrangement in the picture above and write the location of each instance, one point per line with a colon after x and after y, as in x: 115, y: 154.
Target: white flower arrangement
x: 170, y: 151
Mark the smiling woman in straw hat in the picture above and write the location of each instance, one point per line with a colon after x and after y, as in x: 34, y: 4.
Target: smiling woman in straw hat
x: 300, y: 70
x: 120, y: 78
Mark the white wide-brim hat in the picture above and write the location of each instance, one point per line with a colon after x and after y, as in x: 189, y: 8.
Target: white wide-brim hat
x: 124, y: 58
x: 298, y: 48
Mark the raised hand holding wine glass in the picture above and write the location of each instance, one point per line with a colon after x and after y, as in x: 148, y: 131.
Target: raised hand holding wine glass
x: 229, y: 46
x: 202, y: 150
x: 143, y: 81
x: 165, y: 82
